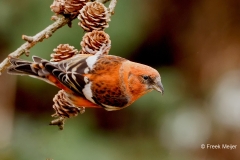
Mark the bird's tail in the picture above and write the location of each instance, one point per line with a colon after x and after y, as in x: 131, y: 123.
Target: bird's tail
x: 34, y: 69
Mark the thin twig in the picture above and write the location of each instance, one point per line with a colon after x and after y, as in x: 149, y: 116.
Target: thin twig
x: 27, y: 38
x: 31, y: 41
x: 112, y: 6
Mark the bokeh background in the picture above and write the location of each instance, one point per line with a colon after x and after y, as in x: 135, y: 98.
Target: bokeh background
x: 194, y: 44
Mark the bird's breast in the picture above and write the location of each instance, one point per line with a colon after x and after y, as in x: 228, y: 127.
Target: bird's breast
x: 109, y: 83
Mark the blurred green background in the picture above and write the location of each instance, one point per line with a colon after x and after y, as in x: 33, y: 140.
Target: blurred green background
x: 194, y: 44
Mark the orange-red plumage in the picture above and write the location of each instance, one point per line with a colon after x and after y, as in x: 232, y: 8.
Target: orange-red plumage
x: 99, y: 80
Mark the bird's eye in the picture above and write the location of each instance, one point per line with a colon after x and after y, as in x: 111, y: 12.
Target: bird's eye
x: 145, y: 77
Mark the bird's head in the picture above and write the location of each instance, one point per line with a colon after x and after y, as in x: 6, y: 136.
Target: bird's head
x: 143, y: 79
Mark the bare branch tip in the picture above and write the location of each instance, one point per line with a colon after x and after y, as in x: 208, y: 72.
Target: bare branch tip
x: 54, y: 18
x: 59, y: 122
x: 27, y: 52
x: 27, y: 38
x: 48, y: 34
x: 112, y: 6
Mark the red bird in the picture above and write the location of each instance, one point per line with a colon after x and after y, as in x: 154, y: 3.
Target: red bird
x: 99, y: 80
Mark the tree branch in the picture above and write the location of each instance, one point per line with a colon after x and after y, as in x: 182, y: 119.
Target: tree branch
x: 46, y: 33
x: 31, y: 41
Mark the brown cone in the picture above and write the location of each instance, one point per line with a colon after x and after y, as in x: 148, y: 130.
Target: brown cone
x: 93, y: 16
x: 57, y: 6
x: 93, y: 41
x: 62, y: 52
x: 63, y: 108
x: 73, y: 6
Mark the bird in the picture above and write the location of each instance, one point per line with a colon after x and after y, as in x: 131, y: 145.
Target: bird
x: 85, y: 80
